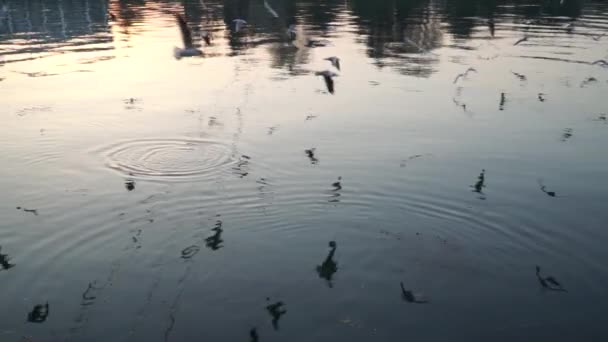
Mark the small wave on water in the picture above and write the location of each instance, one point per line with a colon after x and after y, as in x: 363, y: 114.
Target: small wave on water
x: 174, y: 159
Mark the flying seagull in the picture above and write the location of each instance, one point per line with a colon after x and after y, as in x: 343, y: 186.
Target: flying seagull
x: 189, y: 50
x: 238, y: 24
x: 464, y: 74
x: 335, y: 61
x: 328, y: 77
x: 270, y: 9
x: 600, y: 62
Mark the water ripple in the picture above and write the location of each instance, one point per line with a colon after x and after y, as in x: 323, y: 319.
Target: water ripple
x: 168, y: 158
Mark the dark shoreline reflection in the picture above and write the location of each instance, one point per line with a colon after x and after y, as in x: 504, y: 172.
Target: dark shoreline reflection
x: 400, y: 34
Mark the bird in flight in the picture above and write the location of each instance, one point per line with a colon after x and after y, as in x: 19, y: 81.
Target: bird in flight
x: 464, y: 74
x: 335, y: 61
x: 328, y: 77
x: 524, y: 39
x: 238, y: 24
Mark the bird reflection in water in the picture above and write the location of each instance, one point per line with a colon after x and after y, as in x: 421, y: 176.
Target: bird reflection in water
x: 543, y: 188
x: 276, y: 310
x: 88, y: 298
x: 549, y: 283
x: 5, y: 261
x: 215, y: 241
x: 503, y: 100
x: 130, y: 185
x: 480, y: 184
x: 311, y: 155
x: 253, y: 334
x: 335, y: 192
x: 412, y: 297
x: 329, y: 267
x: 39, y: 313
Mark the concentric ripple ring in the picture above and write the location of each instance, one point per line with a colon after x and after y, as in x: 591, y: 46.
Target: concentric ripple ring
x: 168, y: 158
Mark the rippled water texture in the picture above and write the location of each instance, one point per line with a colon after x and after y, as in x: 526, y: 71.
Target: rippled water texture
x: 241, y: 196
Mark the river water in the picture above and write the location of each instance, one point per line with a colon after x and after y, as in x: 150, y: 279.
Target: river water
x: 149, y: 198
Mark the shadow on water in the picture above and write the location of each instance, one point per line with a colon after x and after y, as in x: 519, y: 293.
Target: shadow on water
x: 329, y: 267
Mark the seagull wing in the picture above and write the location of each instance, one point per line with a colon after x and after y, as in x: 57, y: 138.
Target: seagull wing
x: 185, y: 30
x: 521, y: 40
x: 329, y: 82
x: 458, y: 77
x: 337, y: 63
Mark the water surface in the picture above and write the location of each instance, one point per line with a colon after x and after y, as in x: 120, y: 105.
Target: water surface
x: 153, y: 199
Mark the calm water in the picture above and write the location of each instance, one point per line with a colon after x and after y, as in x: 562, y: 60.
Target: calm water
x: 146, y: 198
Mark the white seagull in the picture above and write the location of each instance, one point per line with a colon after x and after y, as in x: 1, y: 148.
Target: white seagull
x: 238, y: 24
x: 189, y: 50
